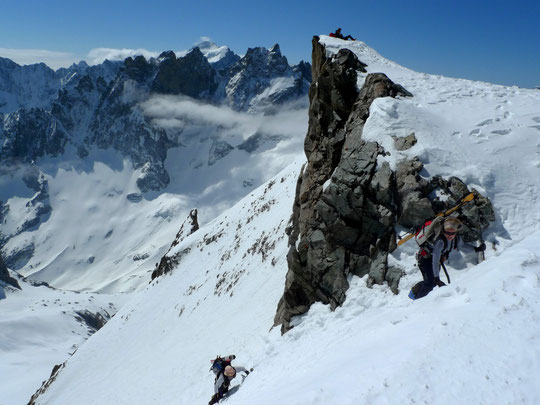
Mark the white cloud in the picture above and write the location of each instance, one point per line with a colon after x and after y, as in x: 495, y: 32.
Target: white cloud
x: 184, y: 109
x: 98, y: 55
x: 54, y: 60
x: 289, y: 121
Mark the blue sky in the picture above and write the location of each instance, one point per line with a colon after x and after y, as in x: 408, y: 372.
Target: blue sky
x: 493, y: 41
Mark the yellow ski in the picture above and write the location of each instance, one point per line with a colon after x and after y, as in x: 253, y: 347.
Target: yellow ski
x: 464, y: 200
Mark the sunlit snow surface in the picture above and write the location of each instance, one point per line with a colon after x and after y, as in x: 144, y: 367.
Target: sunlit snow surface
x: 474, y: 341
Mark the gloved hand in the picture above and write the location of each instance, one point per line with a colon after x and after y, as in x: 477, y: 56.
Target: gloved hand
x: 232, y: 357
x: 480, y: 248
x: 438, y: 282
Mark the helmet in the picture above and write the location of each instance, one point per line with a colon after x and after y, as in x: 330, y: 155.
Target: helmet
x: 230, y: 371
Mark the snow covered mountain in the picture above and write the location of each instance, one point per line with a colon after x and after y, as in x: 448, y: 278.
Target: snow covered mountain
x: 221, y: 291
x: 98, y: 106
x: 163, y: 132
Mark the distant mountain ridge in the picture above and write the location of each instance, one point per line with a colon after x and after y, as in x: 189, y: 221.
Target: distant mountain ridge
x: 74, y: 117
x: 45, y: 111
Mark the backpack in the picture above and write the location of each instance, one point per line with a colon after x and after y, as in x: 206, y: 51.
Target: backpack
x: 219, y: 364
x: 428, y: 233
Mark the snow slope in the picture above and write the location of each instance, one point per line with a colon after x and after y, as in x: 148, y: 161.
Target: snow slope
x: 107, y: 233
x: 474, y: 341
x: 103, y: 236
x: 223, y: 274
x: 41, y: 327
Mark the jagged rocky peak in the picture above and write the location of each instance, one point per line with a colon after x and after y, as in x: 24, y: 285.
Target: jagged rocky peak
x: 34, y: 135
x: 190, y: 75
x: 7, y: 64
x: 166, y: 55
x: 220, y: 57
x: 346, y: 204
x: 138, y: 68
x: 26, y: 86
x: 170, y: 260
x: 304, y: 68
x: 263, y: 79
x: 270, y: 60
x: 37, y: 210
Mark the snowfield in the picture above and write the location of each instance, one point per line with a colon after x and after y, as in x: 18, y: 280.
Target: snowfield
x: 474, y: 341
x: 41, y: 327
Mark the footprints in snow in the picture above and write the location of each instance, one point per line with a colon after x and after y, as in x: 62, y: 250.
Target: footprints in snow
x: 492, y: 127
x: 501, y: 131
x: 537, y: 121
x: 481, y: 130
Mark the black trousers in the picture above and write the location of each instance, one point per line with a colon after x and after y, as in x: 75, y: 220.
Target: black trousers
x: 426, y: 268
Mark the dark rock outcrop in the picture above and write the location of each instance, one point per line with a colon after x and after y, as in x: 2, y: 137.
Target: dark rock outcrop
x: 218, y: 151
x: 94, y: 321
x: 134, y: 197
x: 475, y: 216
x: 47, y: 383
x: 5, y: 277
x: 30, y: 134
x: 38, y: 210
x: 255, y: 141
x: 18, y: 257
x: 191, y: 75
x: 347, y: 204
x: 413, y: 205
x: 406, y: 142
x: 170, y: 261
x: 343, y: 215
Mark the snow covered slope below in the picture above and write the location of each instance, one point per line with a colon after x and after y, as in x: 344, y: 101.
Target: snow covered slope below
x: 41, y: 327
x: 474, y: 341
x: 220, y: 299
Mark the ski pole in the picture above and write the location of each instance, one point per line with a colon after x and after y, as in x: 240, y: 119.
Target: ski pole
x: 445, y: 272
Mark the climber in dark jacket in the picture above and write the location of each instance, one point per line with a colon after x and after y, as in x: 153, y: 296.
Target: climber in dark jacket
x: 223, y: 379
x: 431, y: 257
x: 339, y: 35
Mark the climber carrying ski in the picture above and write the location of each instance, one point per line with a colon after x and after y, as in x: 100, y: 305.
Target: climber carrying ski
x: 435, y: 250
x: 224, y: 372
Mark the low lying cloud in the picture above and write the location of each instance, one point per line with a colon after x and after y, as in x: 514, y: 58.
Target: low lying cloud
x: 54, y: 60
x: 98, y: 55
x: 184, y: 109
x: 180, y: 112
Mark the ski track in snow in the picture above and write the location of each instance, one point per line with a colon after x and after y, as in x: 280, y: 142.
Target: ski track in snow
x: 475, y: 341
